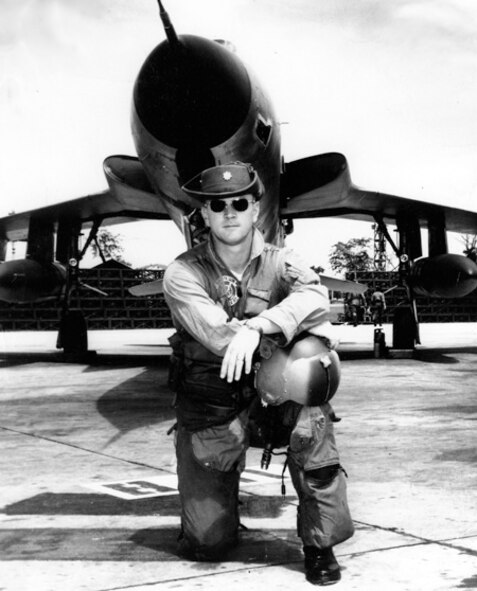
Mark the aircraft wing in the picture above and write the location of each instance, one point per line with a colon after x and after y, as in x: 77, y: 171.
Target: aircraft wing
x: 147, y: 289
x: 320, y: 186
x: 343, y: 285
x: 126, y: 200
x: 332, y: 283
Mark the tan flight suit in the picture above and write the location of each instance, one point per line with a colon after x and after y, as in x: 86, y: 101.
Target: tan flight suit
x: 208, y: 304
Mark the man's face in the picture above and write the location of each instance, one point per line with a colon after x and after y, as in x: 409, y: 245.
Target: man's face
x: 232, y: 225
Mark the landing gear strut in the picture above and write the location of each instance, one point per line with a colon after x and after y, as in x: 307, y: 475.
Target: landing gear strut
x: 404, y: 328
x: 73, y: 334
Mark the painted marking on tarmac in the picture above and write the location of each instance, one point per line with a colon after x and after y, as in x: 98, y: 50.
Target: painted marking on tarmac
x: 144, y: 488
x: 166, y: 484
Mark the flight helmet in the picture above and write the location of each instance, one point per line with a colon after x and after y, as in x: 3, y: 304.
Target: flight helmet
x: 306, y: 371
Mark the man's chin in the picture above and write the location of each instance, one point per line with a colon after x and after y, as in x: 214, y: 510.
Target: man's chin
x: 233, y: 238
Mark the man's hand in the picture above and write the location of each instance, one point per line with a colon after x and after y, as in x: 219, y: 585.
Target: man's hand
x: 238, y: 356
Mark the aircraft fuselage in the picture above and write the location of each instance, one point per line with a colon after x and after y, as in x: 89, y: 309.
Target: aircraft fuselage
x: 195, y: 105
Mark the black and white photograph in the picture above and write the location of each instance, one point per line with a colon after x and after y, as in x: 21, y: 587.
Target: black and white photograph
x: 238, y: 295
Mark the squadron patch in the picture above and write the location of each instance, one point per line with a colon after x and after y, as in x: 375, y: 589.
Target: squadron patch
x: 230, y: 290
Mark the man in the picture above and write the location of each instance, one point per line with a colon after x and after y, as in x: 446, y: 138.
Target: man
x: 378, y: 306
x: 357, y: 307
x: 224, y: 295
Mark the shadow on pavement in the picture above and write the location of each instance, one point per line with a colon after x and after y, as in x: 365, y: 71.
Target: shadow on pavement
x: 103, y: 504
x: 141, y: 401
x: 145, y: 545
x: 256, y: 546
x: 443, y: 355
x: 93, y: 504
x: 263, y: 546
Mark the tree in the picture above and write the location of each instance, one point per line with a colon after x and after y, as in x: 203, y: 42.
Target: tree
x: 318, y: 269
x: 351, y: 256
x: 470, y: 246
x: 108, y: 246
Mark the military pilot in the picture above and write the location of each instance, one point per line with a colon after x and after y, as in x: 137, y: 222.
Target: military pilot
x: 224, y: 295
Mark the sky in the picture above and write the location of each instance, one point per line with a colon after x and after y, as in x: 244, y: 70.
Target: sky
x: 392, y: 85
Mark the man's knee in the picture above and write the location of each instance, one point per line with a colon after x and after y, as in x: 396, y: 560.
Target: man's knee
x: 209, y: 527
x: 212, y: 548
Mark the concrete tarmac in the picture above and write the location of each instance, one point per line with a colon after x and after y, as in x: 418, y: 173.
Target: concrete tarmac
x: 88, y: 498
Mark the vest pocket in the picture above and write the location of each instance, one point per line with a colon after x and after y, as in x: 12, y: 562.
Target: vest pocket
x: 258, y: 300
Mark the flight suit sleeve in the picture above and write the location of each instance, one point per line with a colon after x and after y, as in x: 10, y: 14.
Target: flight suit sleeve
x: 195, y: 311
x: 306, y: 306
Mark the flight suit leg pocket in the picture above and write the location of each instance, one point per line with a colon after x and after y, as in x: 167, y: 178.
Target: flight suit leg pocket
x: 302, y: 435
x: 312, y: 441
x: 221, y: 448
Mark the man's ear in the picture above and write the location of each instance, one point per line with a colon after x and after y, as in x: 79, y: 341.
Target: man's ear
x: 205, y: 214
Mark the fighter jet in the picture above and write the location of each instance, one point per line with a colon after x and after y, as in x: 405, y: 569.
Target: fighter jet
x: 196, y: 105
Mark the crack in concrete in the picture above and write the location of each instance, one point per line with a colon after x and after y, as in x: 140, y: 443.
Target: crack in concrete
x: 92, y: 451
x: 420, y: 540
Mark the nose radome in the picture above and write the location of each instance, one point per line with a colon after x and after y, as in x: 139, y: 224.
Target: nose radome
x: 193, y: 89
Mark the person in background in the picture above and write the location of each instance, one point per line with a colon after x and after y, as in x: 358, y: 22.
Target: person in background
x: 377, y: 306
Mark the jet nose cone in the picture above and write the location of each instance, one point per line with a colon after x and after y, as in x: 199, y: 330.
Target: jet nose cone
x: 198, y: 90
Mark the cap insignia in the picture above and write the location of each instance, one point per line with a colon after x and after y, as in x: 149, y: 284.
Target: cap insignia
x: 227, y: 175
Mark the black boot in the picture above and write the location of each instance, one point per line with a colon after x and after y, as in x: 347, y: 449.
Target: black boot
x: 321, y: 567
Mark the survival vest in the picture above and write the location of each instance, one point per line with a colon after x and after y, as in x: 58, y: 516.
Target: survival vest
x: 203, y: 398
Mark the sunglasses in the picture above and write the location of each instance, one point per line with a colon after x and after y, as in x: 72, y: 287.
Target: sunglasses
x: 217, y: 205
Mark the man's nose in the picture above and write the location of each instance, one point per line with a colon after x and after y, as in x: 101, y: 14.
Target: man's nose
x: 229, y: 210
